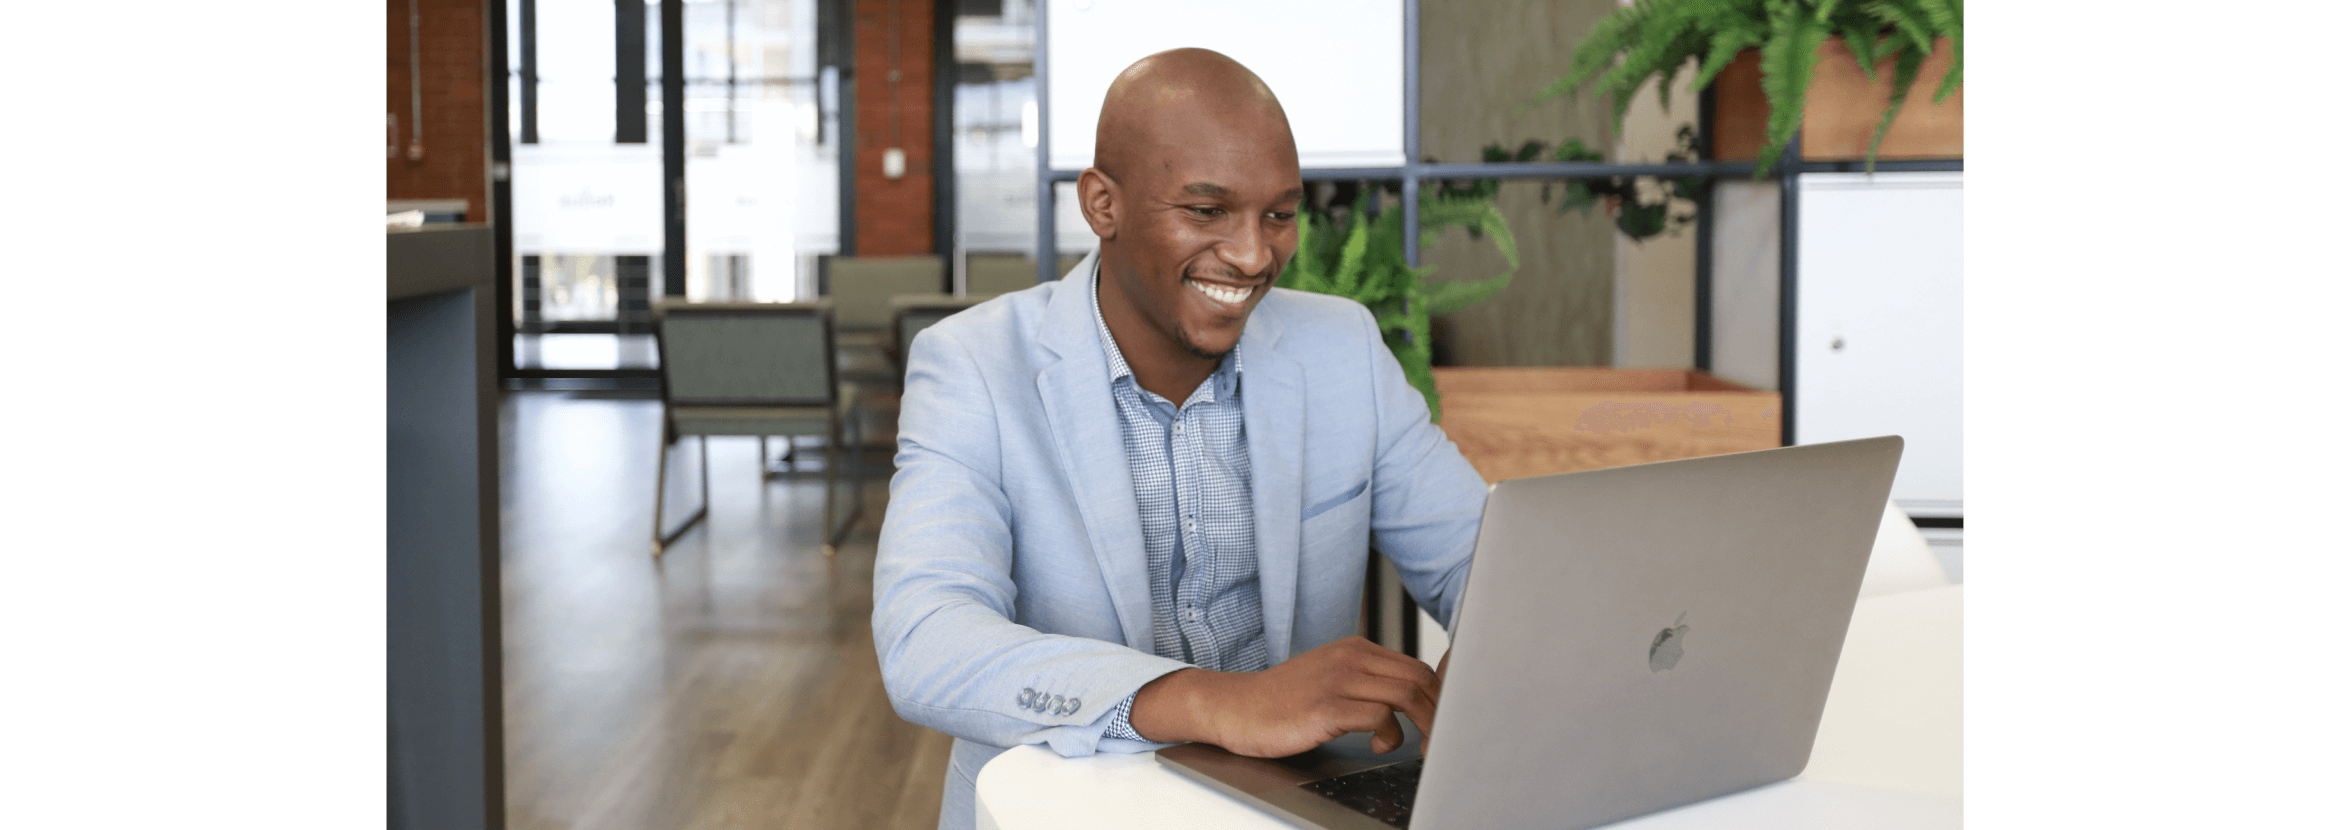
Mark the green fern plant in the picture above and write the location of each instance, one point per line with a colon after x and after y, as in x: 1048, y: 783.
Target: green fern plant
x: 1359, y: 256
x: 1658, y: 37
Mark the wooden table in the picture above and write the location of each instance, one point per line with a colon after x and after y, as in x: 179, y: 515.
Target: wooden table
x: 1513, y: 422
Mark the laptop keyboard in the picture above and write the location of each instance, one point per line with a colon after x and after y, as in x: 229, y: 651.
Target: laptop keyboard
x: 1384, y: 793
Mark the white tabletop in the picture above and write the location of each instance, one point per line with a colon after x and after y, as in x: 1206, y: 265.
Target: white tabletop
x: 1887, y: 754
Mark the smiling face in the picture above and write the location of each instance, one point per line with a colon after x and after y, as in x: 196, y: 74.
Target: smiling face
x: 1195, y: 196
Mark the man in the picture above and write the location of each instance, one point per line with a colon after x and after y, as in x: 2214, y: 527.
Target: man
x: 1132, y: 507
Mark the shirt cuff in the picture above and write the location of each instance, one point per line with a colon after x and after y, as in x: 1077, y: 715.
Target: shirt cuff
x: 1120, y: 727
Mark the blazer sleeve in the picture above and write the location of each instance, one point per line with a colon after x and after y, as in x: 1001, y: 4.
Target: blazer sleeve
x: 1427, y: 500
x: 952, y: 658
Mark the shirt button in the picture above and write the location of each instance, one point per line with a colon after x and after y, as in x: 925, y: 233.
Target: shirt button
x: 1178, y: 427
x: 1188, y: 525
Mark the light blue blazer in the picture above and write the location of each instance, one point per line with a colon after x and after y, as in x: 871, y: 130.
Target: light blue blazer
x: 1010, y: 603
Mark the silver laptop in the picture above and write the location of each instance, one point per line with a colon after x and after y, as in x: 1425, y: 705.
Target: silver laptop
x: 1631, y: 639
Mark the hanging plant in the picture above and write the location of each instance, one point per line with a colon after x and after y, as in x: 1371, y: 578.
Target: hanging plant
x: 1643, y: 206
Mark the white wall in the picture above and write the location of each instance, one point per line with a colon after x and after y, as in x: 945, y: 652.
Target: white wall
x: 1746, y: 281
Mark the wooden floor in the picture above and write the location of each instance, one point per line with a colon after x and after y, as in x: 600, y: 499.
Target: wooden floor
x: 731, y: 685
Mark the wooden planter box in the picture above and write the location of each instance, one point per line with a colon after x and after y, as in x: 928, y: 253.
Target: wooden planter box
x: 1842, y: 109
x: 1513, y: 422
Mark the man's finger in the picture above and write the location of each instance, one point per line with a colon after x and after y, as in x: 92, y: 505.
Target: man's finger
x: 1397, y: 693
x: 1394, y: 695
x: 1390, y: 663
x: 1388, y: 736
x: 1428, y: 730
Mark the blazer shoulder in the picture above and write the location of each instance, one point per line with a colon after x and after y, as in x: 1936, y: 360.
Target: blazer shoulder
x: 1320, y: 318
x: 1001, y: 323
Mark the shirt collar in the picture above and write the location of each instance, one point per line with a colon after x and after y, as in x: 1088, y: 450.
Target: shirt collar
x: 1225, y: 383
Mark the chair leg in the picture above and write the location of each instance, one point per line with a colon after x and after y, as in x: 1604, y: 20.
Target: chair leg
x: 660, y: 488
x: 833, y: 471
x: 783, y: 464
x: 856, y: 479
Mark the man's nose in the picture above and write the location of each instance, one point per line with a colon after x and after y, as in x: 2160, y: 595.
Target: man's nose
x: 1248, y: 250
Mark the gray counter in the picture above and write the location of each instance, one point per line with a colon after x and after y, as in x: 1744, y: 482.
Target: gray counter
x: 441, y: 522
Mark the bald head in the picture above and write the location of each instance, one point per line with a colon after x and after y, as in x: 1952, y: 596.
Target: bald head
x: 1194, y: 191
x: 1178, y: 98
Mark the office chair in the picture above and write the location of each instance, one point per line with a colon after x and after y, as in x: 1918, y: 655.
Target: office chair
x: 911, y: 313
x: 997, y: 273
x: 860, y: 288
x: 756, y: 369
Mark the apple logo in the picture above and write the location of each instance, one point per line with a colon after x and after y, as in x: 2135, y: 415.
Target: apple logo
x: 1666, y: 651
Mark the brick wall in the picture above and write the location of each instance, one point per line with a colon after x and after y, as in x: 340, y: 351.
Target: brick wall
x: 893, y: 215
x: 454, y: 58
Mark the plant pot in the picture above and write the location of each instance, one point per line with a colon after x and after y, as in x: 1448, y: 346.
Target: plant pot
x: 1842, y: 109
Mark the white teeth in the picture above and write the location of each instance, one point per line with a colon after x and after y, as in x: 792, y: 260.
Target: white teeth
x: 1227, y: 296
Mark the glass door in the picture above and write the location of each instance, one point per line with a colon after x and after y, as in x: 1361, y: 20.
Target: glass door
x: 762, y: 184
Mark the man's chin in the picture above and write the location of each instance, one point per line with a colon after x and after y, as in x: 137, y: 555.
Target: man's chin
x: 1195, y: 349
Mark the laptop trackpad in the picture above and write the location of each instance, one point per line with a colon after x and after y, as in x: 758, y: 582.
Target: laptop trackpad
x: 1352, y: 753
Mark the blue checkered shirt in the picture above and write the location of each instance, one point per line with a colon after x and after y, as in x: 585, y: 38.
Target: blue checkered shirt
x: 1191, y: 484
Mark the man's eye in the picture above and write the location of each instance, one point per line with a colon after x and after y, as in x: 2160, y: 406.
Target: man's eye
x: 1282, y: 215
x: 1205, y: 212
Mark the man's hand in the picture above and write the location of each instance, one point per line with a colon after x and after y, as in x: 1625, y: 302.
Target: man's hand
x: 1442, y: 663
x: 1352, y: 685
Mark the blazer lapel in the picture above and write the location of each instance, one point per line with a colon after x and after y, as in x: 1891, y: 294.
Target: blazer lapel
x: 1084, y: 421
x: 1272, y: 395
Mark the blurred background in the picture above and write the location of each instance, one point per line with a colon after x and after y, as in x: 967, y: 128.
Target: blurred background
x: 609, y: 612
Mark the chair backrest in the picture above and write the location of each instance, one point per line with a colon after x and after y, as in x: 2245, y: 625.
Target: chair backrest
x: 917, y: 319
x: 913, y: 319
x: 746, y: 354
x: 860, y: 286
x: 1000, y: 273
x: 915, y: 312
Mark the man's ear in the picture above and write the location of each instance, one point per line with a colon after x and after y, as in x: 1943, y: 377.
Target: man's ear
x: 1097, y: 197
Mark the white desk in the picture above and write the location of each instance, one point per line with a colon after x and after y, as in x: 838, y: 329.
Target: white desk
x: 1887, y: 755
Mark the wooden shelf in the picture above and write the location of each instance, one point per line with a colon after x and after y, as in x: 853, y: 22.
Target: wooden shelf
x: 1514, y: 422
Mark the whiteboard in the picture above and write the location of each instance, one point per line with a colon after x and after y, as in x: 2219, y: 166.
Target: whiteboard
x: 1336, y: 65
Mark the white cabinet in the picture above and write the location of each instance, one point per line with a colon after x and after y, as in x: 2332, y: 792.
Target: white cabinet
x: 1878, y: 323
